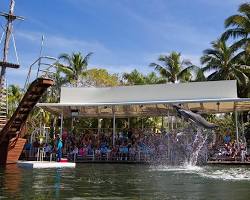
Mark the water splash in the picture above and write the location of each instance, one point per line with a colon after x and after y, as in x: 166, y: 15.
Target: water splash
x: 197, y: 145
x: 185, y: 148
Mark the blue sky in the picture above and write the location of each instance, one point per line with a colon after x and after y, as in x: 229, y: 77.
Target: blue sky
x: 123, y: 34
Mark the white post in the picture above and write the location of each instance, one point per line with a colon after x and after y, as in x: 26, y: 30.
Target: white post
x: 242, y: 123
x: 237, y: 128
x: 176, y: 121
x: 172, y: 123
x: 61, y: 128
x: 162, y: 122
x: 45, y: 133
x: 168, y: 122
x: 72, y: 123
x: 142, y: 124
x: 113, y: 128
x: 99, y: 125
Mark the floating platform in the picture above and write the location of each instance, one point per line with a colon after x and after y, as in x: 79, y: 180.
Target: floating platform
x: 113, y: 161
x: 45, y: 164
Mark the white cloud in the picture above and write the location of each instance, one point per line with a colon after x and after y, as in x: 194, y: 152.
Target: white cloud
x: 59, y: 44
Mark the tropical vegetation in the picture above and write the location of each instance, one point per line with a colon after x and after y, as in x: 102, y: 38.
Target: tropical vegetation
x: 227, y: 59
x: 173, y: 68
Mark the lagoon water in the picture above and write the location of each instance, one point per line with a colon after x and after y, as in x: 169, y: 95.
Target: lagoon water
x: 122, y: 181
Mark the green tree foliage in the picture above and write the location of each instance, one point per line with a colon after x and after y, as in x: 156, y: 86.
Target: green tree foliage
x: 101, y: 78
x: 224, y: 63
x: 137, y: 78
x: 15, y: 95
x: 173, y: 68
x: 74, y: 67
x: 238, y: 26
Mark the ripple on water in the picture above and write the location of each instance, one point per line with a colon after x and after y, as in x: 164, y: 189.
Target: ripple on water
x: 226, y: 173
x: 176, y: 168
x: 235, y: 174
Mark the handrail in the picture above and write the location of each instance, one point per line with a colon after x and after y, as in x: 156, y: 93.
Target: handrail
x: 38, y: 63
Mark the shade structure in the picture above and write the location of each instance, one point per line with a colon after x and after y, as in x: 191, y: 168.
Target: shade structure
x: 149, y: 100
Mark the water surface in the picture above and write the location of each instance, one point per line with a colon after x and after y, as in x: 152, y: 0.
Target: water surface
x: 121, y: 181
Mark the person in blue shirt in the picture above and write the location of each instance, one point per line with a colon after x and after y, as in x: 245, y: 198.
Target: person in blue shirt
x: 227, y: 137
x: 59, y: 146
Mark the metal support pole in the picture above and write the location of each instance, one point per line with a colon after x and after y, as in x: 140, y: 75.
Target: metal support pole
x: 176, y: 121
x: 45, y: 134
x: 128, y: 123
x: 72, y: 123
x: 142, y: 124
x: 168, y: 122
x: 99, y: 125
x: 172, y: 123
x: 113, y: 128
x: 237, y: 128
x: 61, y: 127
x: 243, y: 127
x: 162, y: 123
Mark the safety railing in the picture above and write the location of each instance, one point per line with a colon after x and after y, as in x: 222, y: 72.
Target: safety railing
x: 43, y: 67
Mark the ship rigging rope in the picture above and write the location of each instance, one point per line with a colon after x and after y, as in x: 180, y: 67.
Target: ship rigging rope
x: 1, y: 38
x: 14, y: 44
x: 2, y: 33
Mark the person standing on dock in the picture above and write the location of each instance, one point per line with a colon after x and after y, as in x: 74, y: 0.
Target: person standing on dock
x: 59, y: 146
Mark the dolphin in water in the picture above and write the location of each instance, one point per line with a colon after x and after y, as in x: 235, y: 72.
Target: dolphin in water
x: 195, y: 118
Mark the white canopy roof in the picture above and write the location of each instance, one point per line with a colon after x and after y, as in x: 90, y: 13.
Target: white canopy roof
x: 148, y: 100
x: 149, y: 93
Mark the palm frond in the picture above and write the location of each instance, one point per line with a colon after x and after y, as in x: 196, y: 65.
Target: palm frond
x: 240, y: 76
x: 245, y: 9
x: 234, y: 33
x: 236, y: 20
x: 65, y: 58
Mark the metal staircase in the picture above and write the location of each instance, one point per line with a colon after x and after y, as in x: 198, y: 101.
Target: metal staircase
x: 11, y: 131
x: 15, y: 124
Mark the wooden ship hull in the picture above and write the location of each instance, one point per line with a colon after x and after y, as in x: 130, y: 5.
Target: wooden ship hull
x: 15, y: 152
x: 11, y: 142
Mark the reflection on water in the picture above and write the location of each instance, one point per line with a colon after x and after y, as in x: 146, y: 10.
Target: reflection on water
x: 105, y: 181
x: 12, y: 179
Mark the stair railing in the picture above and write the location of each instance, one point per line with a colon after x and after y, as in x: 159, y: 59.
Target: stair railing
x: 41, y: 67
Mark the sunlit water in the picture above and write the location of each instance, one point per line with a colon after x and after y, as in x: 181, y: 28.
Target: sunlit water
x: 121, y: 181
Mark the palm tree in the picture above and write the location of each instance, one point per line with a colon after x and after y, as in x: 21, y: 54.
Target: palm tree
x: 173, y: 68
x: 224, y: 63
x: 239, y: 27
x: 152, y: 78
x: 137, y: 78
x: 134, y: 78
x: 15, y: 95
x: 52, y: 95
x: 74, y: 67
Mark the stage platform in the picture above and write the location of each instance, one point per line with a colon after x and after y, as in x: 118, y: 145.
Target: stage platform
x: 45, y: 164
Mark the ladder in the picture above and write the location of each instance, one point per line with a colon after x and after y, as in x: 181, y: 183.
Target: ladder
x: 3, y: 105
